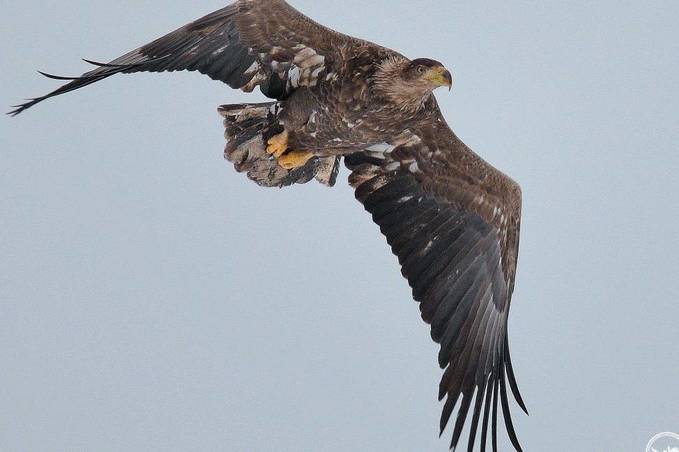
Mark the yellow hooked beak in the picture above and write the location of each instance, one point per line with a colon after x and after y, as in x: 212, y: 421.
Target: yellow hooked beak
x: 440, y: 76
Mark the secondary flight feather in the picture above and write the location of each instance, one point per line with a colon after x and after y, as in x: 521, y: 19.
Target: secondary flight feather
x: 451, y: 218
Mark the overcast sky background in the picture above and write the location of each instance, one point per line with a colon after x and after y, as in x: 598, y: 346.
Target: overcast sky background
x: 153, y: 299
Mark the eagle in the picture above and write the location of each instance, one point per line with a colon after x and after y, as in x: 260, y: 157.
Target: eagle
x: 451, y: 218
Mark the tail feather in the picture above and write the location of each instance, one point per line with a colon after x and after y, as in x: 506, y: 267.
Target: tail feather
x: 248, y: 128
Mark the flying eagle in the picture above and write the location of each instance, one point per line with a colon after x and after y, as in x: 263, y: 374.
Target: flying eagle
x: 450, y: 217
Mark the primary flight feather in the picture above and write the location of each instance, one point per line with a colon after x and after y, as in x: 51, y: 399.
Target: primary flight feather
x: 450, y: 217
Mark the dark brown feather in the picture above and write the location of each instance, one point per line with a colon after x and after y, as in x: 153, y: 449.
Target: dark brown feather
x: 453, y: 221
x: 246, y: 44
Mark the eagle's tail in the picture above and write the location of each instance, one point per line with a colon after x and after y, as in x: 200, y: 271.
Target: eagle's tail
x: 248, y: 128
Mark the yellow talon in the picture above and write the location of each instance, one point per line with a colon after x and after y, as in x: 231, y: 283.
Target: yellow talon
x: 278, y: 144
x: 294, y: 159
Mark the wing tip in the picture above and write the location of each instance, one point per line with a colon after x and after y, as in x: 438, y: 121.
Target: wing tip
x: 18, y: 109
x: 511, y: 377
x: 57, y: 77
x: 509, y: 425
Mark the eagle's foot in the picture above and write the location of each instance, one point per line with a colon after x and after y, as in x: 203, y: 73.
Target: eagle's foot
x: 278, y: 144
x: 294, y: 159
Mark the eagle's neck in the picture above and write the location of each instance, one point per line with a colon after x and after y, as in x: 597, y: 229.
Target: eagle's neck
x: 388, y: 82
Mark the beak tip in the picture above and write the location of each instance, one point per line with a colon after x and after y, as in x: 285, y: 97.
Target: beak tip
x: 449, y: 78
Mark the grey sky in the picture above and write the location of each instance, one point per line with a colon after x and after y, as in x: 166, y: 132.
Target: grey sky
x: 153, y: 299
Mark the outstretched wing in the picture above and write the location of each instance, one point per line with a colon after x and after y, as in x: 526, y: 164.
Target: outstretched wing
x: 453, y: 221
x: 246, y: 44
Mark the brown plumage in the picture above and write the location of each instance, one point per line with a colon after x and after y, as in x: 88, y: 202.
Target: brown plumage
x: 451, y: 218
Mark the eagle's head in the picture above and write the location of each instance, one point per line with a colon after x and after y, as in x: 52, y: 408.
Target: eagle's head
x: 408, y: 84
x: 427, y: 75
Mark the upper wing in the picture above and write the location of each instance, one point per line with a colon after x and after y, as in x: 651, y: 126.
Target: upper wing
x: 248, y: 43
x: 453, y: 221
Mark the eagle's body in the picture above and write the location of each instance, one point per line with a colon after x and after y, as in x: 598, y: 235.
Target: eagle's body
x: 450, y: 217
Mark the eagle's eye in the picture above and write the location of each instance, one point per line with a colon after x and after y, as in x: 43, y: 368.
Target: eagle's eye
x: 420, y: 69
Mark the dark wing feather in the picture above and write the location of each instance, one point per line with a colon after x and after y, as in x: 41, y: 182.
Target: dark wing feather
x: 249, y: 43
x: 453, y: 222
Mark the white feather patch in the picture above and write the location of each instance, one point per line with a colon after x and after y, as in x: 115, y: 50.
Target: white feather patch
x: 381, y: 147
x: 294, y: 75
